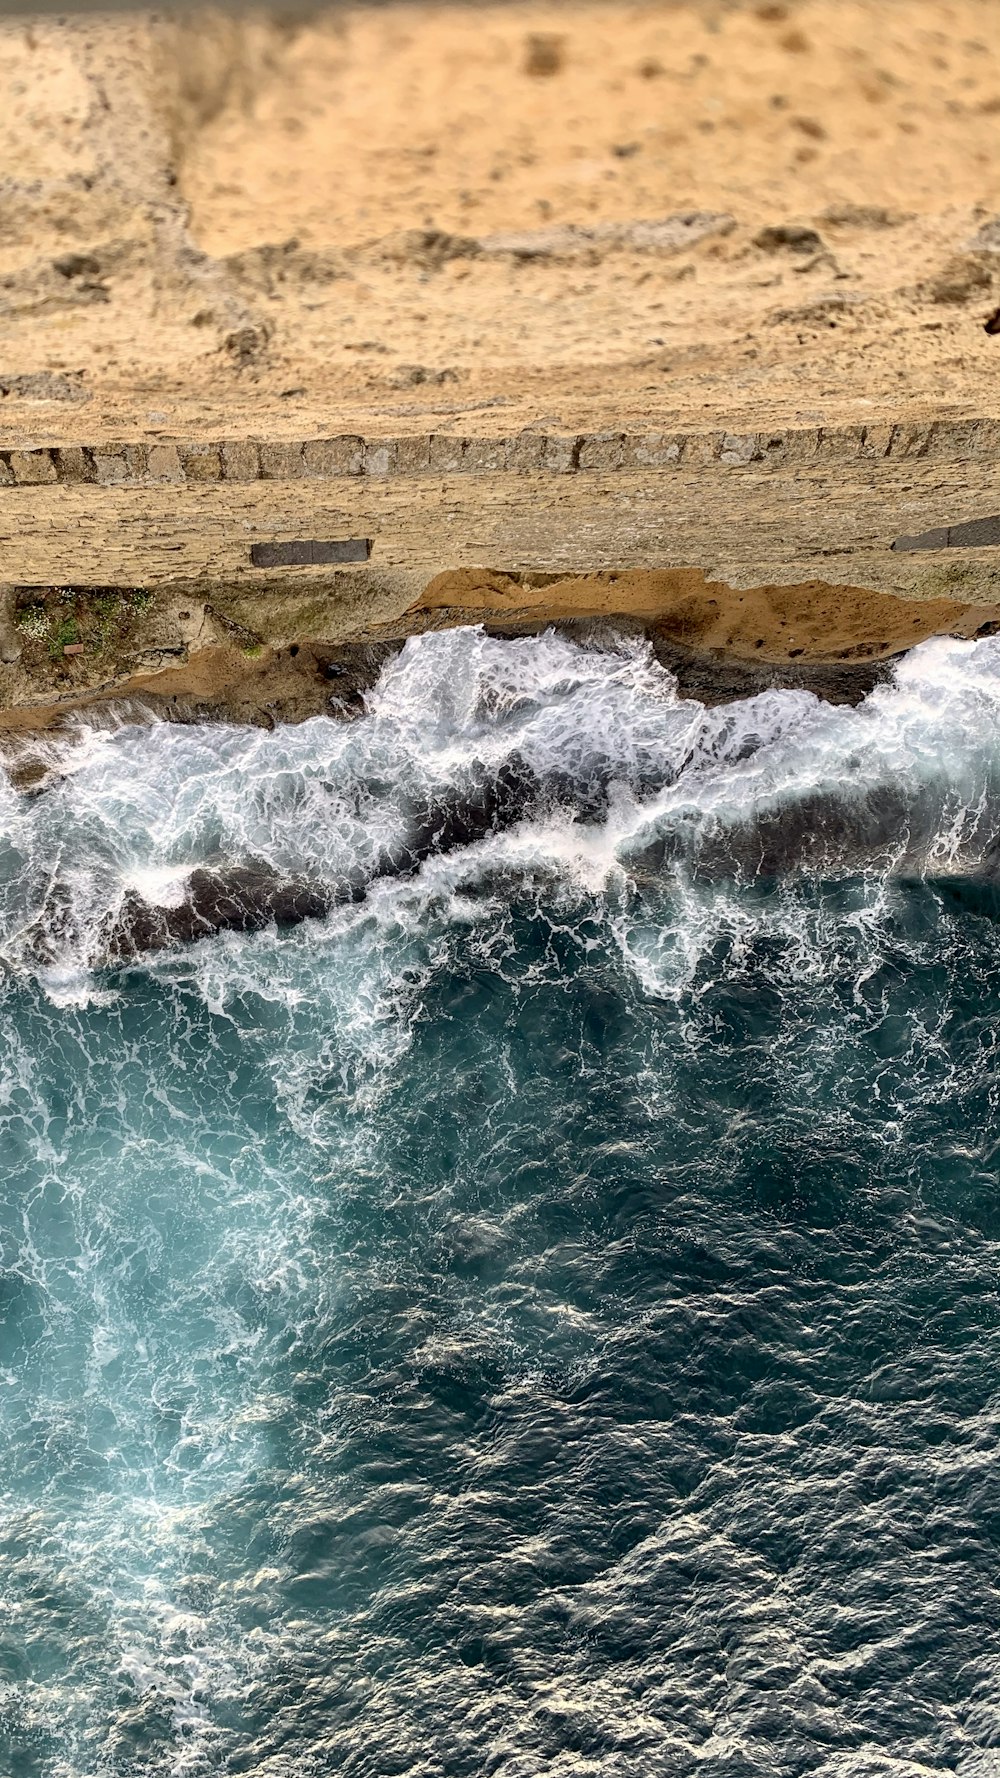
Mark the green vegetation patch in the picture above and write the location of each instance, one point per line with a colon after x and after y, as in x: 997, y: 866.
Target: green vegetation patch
x: 103, y: 619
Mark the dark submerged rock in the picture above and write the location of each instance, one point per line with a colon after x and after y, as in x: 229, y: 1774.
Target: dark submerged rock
x: 248, y: 898
x: 237, y: 899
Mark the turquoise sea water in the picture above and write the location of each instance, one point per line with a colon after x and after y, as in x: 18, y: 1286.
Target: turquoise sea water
x: 543, y: 1317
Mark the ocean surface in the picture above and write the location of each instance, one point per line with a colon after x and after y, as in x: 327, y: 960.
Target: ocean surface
x: 542, y: 1316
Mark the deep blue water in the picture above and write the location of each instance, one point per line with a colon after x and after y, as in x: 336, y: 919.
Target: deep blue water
x: 544, y: 1317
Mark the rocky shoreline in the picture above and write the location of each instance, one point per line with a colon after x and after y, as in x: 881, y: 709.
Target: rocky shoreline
x: 298, y: 682
x: 292, y: 684
x: 113, y: 654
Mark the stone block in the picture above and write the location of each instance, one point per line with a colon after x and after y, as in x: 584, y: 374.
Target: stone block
x: 600, y: 450
x: 878, y: 441
x: 163, y: 463
x: 559, y: 454
x: 201, y: 462
x: 281, y: 462
x: 73, y: 464
x: 31, y: 468
x: 6, y: 474
x: 310, y: 552
x: 334, y: 456
x: 782, y: 448
x: 703, y: 449
x: 411, y: 456
x: 652, y: 450
x: 915, y: 441
x: 484, y: 456
x: 240, y: 459
x: 772, y: 447
x: 740, y: 448
x: 445, y: 453
x: 379, y: 458
x: 110, y: 465
x: 840, y: 444
x: 526, y: 451
x: 984, y: 439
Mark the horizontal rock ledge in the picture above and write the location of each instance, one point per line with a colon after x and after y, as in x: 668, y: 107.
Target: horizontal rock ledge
x: 165, y: 462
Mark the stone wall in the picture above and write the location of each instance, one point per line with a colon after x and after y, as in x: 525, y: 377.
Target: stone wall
x: 165, y: 462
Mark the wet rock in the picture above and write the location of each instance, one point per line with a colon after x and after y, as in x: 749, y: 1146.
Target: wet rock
x: 249, y: 898
x: 235, y: 899
x: 464, y: 820
x: 712, y: 678
x: 714, y: 681
x: 831, y: 832
x: 354, y: 668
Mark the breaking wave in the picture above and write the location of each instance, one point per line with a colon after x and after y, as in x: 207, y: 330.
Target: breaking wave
x: 498, y: 1254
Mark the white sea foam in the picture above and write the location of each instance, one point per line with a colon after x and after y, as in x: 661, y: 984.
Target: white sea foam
x: 620, y: 778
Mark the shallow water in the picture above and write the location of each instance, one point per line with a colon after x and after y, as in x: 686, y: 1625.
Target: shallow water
x: 543, y: 1317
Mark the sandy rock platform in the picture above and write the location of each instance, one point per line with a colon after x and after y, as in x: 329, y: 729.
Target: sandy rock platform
x: 703, y: 299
